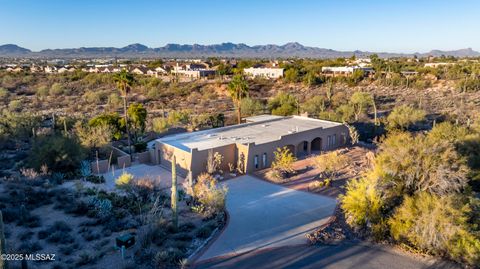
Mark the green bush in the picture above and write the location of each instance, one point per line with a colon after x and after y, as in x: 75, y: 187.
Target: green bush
x: 403, y: 117
x: 124, y: 180
x: 437, y: 225
x: 362, y: 203
x: 140, y: 146
x: 209, y: 194
x: 60, y: 153
x: 283, y: 104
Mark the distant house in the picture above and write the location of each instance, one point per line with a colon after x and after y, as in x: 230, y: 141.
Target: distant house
x: 435, y: 65
x: 409, y: 73
x: 192, y: 71
x: 62, y: 70
x: 345, y: 70
x: 14, y: 69
x: 110, y: 69
x: 159, y: 71
x: 50, y: 69
x: 139, y: 70
x: 35, y: 68
x: 266, y: 72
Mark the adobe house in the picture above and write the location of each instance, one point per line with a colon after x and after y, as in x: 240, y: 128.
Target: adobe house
x: 252, y: 143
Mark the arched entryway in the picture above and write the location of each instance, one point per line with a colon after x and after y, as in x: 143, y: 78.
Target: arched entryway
x: 316, y: 145
x: 302, y: 149
x: 291, y: 148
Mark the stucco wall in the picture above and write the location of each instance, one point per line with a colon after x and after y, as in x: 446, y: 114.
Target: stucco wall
x: 165, y: 154
x: 294, y: 139
x: 124, y: 161
x: 99, y: 167
x: 196, y: 161
x: 200, y: 164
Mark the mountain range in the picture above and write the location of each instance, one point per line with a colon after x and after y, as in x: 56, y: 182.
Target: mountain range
x: 289, y: 50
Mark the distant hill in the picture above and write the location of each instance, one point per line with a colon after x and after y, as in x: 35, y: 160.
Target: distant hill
x: 13, y: 50
x: 240, y: 50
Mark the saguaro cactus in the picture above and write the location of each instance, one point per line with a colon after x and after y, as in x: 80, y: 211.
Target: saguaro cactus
x: 3, y: 263
x: 174, y: 197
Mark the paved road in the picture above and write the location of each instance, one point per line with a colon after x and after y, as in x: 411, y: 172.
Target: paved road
x: 345, y: 256
x: 264, y: 215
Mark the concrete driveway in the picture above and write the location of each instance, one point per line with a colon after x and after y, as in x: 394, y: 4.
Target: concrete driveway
x: 161, y: 176
x: 265, y: 215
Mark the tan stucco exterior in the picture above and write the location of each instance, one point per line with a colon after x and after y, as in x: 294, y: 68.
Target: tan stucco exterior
x: 256, y: 156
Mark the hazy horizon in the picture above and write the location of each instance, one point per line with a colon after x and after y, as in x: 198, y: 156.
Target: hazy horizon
x: 379, y: 26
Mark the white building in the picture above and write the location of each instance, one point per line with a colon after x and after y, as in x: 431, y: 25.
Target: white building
x: 192, y: 71
x: 435, y: 65
x: 265, y: 72
x: 345, y: 70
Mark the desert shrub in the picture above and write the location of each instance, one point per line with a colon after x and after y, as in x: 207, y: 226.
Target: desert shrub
x: 209, y: 194
x: 415, y: 163
x: 182, y: 236
x: 27, y: 235
x: 314, y: 106
x: 60, y: 237
x: 437, y: 225
x: 123, y: 180
x: 361, y: 203
x: 30, y: 247
x: 88, y: 234
x: 94, y: 138
x: 283, y: 104
x: 15, y: 105
x: 403, y: 117
x: 214, y: 161
x: 60, y: 153
x: 203, y: 232
x: 56, y: 89
x: 84, y: 259
x: 330, y: 163
x: 142, y: 189
x: 251, y: 107
x: 283, y: 163
x: 66, y: 250
x: 316, y: 184
x: 160, y: 124
x: 416, y: 192
x: 170, y: 256
x: 360, y: 101
x: 3, y: 93
x: 42, y: 234
x: 187, y: 226
x: 107, y: 123
x: 95, y: 179
x: 140, y: 146
x: 102, y: 207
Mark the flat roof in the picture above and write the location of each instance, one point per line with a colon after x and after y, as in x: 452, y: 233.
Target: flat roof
x: 263, y: 129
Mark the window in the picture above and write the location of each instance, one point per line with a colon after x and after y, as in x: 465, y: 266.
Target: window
x: 343, y: 139
x: 334, y: 140
x: 255, y: 161
x: 264, y: 159
x: 329, y: 141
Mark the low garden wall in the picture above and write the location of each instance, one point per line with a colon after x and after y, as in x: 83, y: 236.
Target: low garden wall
x: 99, y: 167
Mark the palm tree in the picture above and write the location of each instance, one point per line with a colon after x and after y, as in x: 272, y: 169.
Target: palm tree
x: 124, y: 82
x: 238, y: 89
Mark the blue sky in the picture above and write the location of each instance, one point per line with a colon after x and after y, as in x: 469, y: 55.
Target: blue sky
x: 389, y: 25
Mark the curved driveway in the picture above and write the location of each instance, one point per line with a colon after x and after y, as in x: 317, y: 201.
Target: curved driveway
x: 265, y: 215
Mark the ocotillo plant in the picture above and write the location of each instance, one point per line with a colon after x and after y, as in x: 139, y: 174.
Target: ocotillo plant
x: 174, y: 197
x: 3, y: 263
